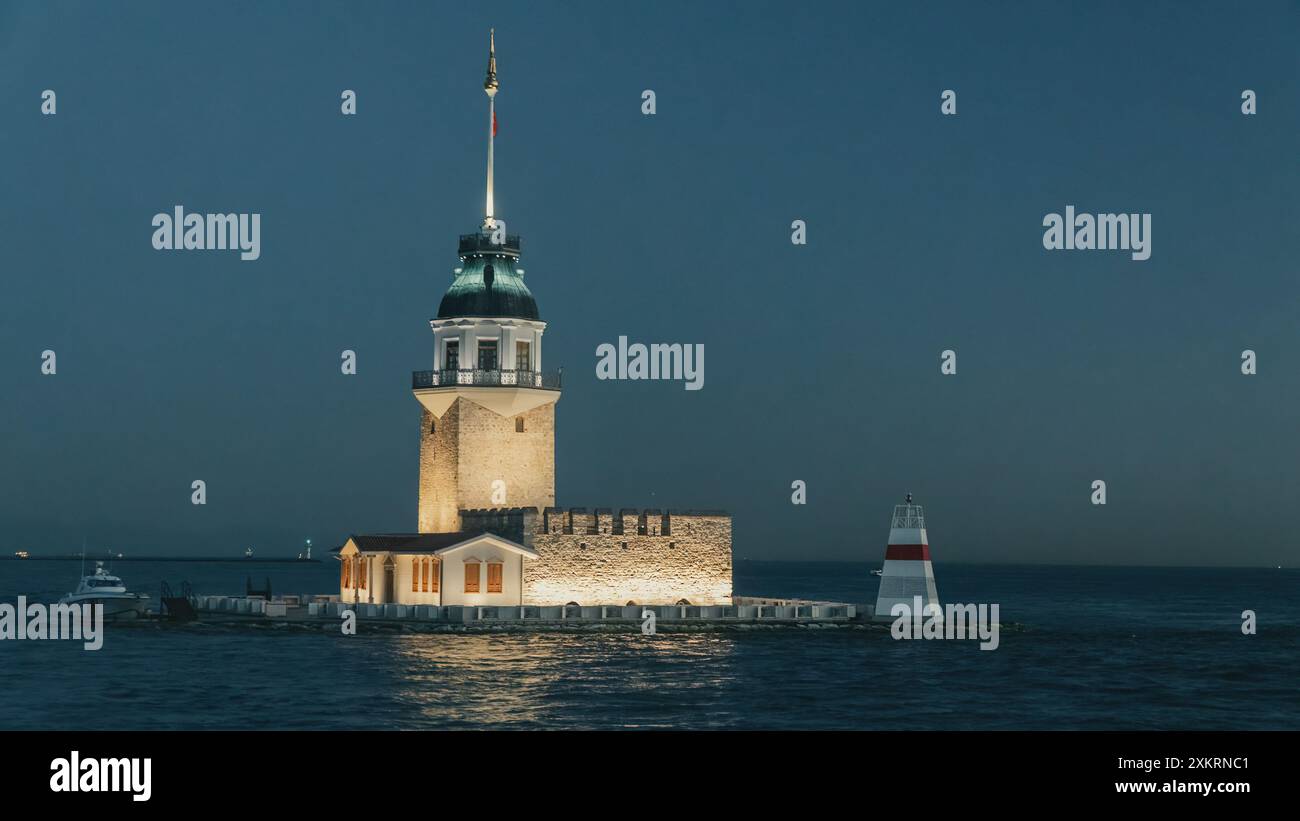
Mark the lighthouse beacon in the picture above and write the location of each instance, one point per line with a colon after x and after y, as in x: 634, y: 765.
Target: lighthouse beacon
x: 907, y: 573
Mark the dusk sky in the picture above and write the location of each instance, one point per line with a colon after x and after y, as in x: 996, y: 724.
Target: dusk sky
x: 822, y: 361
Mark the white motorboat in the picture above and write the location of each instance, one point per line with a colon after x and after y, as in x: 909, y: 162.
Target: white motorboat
x: 102, y: 588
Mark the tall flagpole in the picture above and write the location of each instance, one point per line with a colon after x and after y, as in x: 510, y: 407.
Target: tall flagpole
x: 490, y: 86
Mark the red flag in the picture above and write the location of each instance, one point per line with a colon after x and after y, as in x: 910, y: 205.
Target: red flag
x: 494, y: 123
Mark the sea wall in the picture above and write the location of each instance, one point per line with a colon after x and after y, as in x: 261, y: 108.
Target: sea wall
x: 329, y: 609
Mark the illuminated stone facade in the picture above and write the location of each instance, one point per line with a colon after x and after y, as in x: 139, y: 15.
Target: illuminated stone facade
x: 607, y: 557
x: 470, y: 449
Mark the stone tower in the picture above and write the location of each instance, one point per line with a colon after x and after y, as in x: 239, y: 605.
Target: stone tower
x: 487, y: 431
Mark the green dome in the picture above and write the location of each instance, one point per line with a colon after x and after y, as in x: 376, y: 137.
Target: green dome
x: 489, y: 283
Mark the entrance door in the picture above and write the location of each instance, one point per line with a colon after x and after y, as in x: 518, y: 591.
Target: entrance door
x: 389, y: 588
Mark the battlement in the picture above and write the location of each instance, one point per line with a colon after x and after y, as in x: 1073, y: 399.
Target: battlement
x: 557, y: 521
x: 517, y: 524
x: 646, y: 556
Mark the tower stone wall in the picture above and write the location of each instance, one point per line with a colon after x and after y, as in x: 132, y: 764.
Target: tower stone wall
x: 469, y: 448
x: 439, y: 499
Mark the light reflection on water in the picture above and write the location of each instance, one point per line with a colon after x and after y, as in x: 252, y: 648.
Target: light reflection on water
x: 533, y: 681
x: 1103, y: 648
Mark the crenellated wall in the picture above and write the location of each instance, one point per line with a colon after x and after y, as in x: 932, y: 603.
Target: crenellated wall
x: 517, y: 524
x: 605, y: 557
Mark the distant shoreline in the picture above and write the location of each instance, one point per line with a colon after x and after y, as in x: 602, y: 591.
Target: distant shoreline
x: 221, y: 559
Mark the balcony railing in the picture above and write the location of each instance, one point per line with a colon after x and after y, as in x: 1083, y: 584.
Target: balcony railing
x: 910, y: 516
x: 547, y: 380
x: 482, y: 243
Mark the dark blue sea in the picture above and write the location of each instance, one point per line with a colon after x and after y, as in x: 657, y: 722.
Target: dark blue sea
x: 1095, y: 648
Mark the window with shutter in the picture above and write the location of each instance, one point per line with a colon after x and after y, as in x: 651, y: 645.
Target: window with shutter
x: 494, y: 577
x: 471, y: 577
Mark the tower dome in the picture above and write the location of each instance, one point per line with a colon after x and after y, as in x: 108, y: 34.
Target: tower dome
x: 489, y: 282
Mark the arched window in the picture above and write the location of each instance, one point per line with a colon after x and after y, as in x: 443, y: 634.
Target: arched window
x: 361, y: 560
x: 434, y: 564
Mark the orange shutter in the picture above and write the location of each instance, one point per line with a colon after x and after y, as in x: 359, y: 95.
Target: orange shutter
x: 362, y: 574
x: 434, y: 564
x: 494, y: 577
x: 345, y: 571
x: 471, y: 577
x: 415, y: 574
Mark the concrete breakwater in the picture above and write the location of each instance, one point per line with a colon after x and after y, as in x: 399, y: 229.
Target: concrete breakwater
x: 329, y: 610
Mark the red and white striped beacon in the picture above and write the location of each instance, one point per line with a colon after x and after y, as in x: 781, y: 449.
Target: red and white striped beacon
x: 907, y: 573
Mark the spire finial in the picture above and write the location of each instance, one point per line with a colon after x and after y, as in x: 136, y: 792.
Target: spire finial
x: 490, y: 86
